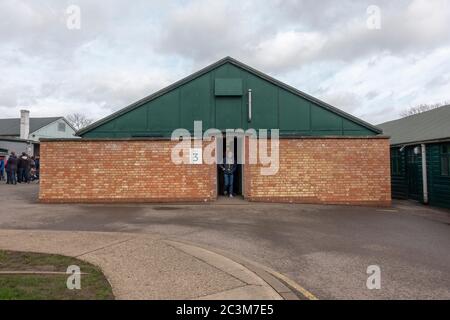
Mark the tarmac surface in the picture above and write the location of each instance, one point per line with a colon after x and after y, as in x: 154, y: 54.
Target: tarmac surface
x: 324, y: 250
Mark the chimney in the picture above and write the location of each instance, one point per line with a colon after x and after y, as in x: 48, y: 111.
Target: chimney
x: 24, y: 124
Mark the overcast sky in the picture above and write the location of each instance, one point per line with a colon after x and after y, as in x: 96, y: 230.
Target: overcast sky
x: 125, y: 50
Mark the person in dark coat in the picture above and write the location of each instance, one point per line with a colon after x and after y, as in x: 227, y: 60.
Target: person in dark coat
x: 2, y: 168
x: 8, y: 176
x: 37, y: 162
x: 24, y: 167
x: 19, y: 171
x: 11, y: 169
x: 229, y: 168
x: 33, y: 176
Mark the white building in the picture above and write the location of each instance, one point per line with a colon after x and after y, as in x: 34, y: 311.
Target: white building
x: 23, y: 134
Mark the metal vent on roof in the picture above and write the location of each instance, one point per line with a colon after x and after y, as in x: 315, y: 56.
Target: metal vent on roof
x: 228, y: 87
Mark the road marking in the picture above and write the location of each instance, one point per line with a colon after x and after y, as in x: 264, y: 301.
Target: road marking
x: 240, y: 260
x: 293, y: 284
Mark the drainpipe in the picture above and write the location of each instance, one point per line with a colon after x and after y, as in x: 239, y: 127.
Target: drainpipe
x: 424, y: 173
x: 249, y: 105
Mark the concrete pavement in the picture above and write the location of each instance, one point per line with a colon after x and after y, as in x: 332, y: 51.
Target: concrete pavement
x: 148, y: 267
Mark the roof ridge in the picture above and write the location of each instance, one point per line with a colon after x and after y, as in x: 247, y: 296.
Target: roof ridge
x: 414, y: 115
x: 426, y: 126
x: 11, y: 126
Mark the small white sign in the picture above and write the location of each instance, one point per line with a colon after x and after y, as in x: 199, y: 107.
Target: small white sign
x: 196, y: 156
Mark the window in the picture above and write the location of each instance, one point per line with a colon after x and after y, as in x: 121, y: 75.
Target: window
x: 61, y: 126
x: 396, y: 168
x: 445, y: 160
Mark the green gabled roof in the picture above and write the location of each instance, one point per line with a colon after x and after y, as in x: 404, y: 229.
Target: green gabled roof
x: 423, y: 127
x: 239, y: 64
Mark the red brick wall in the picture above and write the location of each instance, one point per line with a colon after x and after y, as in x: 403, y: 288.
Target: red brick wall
x: 326, y: 170
x: 120, y: 171
x: 312, y: 170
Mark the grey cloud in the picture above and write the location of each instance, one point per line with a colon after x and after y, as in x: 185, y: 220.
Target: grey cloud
x: 372, y: 94
x: 8, y: 98
x: 124, y: 52
x: 404, y: 29
x: 313, y: 14
x: 39, y: 28
x: 348, y: 101
x: 322, y: 30
x: 17, y: 96
x: 203, y: 30
x: 439, y: 80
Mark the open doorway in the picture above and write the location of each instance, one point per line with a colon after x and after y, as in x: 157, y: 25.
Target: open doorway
x: 237, y: 178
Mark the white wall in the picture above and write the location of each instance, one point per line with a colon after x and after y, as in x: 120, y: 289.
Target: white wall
x: 17, y: 146
x: 51, y: 131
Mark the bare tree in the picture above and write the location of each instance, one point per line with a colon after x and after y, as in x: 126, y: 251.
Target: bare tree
x: 78, y: 120
x: 422, y: 108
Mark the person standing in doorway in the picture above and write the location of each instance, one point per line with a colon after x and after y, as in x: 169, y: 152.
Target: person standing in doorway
x: 229, y: 168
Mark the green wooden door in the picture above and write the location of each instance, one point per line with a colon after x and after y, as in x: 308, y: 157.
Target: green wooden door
x: 438, y: 162
x: 414, y: 174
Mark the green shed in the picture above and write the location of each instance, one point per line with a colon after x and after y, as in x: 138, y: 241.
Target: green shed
x: 420, y: 157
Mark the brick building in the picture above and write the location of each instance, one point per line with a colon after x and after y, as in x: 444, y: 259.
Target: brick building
x: 324, y: 155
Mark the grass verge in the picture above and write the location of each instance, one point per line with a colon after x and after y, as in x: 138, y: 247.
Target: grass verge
x: 94, y: 285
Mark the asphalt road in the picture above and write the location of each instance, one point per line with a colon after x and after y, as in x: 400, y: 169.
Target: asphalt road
x: 325, y: 249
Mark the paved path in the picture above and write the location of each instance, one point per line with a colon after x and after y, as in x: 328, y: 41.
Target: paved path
x: 148, y: 267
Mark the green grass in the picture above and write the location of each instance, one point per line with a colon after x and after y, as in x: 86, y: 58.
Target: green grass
x: 94, y: 285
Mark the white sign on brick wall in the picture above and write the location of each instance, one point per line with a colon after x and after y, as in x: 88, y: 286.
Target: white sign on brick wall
x: 196, y: 156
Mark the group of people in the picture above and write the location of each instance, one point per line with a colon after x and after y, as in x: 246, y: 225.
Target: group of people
x: 22, y: 169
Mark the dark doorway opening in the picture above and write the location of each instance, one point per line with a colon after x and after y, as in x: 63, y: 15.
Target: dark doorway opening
x: 414, y: 173
x: 237, y: 182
